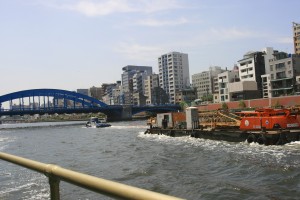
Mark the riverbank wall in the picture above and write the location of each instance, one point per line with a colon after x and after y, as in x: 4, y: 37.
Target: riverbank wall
x: 284, y: 101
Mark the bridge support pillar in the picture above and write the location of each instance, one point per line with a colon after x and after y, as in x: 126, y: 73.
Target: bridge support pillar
x: 124, y: 114
x: 127, y: 113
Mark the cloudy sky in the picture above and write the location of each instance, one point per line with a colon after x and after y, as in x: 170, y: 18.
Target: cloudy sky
x: 70, y: 44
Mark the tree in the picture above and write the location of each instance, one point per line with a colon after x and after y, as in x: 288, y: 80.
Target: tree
x: 224, y: 106
x: 183, y: 105
x: 277, y: 104
x: 208, y: 97
x: 242, y: 104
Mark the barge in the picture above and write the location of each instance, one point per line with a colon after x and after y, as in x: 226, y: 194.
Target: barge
x: 264, y: 126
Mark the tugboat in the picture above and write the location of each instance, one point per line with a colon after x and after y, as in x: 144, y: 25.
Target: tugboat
x: 95, y: 122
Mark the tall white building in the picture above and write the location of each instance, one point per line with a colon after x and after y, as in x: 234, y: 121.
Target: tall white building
x: 173, y: 73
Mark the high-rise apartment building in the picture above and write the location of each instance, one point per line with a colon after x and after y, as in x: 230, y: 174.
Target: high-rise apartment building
x: 96, y: 92
x: 84, y: 91
x: 296, y: 36
x: 151, y: 82
x: 117, y: 94
x: 131, y: 80
x: 173, y: 73
x: 154, y: 94
x: 108, y: 93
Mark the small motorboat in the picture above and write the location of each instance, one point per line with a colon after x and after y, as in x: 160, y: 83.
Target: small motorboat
x: 95, y: 122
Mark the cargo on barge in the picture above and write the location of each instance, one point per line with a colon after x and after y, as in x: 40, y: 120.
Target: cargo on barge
x: 264, y: 126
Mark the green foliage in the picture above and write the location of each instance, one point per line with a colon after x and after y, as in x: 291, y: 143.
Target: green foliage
x: 183, y: 105
x: 224, y: 106
x: 242, y: 104
x: 193, y: 103
x: 277, y: 104
x: 208, y: 97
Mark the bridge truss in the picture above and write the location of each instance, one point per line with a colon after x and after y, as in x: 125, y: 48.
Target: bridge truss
x: 47, y: 99
x: 51, y: 101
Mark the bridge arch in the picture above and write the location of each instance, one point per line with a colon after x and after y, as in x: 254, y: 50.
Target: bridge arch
x: 79, y: 100
x: 67, y: 102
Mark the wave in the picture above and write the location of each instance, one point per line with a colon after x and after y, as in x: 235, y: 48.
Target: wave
x: 4, y: 142
x: 285, y: 156
x: 30, y: 186
x: 29, y: 194
x: 129, y: 127
x: 39, y: 125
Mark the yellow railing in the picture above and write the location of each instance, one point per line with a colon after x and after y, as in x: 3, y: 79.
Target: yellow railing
x: 102, y: 186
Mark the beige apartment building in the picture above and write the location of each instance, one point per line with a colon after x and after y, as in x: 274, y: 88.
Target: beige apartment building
x: 296, y: 37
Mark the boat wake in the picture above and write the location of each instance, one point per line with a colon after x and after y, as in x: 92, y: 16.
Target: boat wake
x: 129, y: 127
x: 284, y: 156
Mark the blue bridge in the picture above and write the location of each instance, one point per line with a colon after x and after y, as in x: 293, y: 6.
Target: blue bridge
x: 55, y: 101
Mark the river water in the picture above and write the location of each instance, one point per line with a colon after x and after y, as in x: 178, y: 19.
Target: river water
x: 183, y: 166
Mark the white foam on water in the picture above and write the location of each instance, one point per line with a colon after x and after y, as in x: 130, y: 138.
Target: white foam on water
x: 40, y: 124
x: 36, y: 187
x: 128, y: 127
x: 4, y: 142
x: 253, y: 151
x: 16, y: 188
x: 2, y: 139
x: 36, y: 194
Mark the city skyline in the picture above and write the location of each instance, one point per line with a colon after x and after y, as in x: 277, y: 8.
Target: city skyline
x: 80, y: 44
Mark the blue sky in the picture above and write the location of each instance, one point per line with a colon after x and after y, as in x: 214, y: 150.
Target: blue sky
x: 70, y: 44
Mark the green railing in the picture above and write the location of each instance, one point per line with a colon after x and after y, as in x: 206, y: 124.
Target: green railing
x: 102, y: 186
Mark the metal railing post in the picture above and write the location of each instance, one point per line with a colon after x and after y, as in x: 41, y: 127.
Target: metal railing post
x: 54, y: 188
x: 53, y: 181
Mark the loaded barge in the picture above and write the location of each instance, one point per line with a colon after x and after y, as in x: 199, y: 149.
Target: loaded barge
x: 265, y: 126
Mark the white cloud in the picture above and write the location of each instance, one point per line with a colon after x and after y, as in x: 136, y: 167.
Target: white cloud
x: 157, y: 5
x: 139, y: 52
x: 233, y: 33
x: 155, y: 22
x: 285, y: 40
x: 105, y: 7
x: 191, y: 41
x: 90, y: 8
x: 214, y: 36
